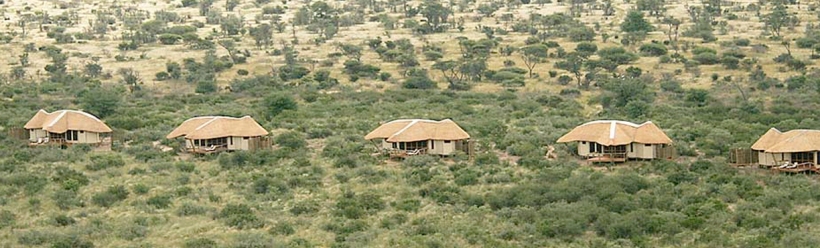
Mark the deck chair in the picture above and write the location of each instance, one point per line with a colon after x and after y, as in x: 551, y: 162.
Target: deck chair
x: 210, y: 148
x: 414, y: 152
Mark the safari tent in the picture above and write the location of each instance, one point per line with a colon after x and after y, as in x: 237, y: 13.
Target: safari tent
x: 210, y: 134
x: 618, y: 141
x: 66, y: 127
x: 416, y: 136
x: 795, y: 146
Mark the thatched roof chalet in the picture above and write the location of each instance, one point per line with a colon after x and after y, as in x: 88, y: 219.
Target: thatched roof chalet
x: 210, y: 127
x: 801, y: 140
x: 409, y: 130
x: 612, y: 132
x: 64, y: 120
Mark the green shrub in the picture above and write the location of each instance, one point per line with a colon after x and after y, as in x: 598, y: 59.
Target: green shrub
x: 291, y: 139
x: 240, y: 216
x: 185, y: 166
x: 706, y: 58
x: 7, y: 219
x: 407, y: 204
x: 65, y: 199
x: 35, y: 237
x: 200, y: 243
x: 68, y: 178
x: 110, y: 196
x: 253, y: 240
x: 282, y: 228
x: 71, y: 241
x: 278, y: 102
x: 159, y: 201
x: 653, y: 49
x: 420, y: 161
x: 189, y: 209
x: 64, y: 220
x: 105, y: 161
x: 466, y: 177
x: 206, y: 86
x: 305, y: 207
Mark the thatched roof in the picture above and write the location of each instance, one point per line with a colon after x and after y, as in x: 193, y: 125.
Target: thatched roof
x: 209, y: 127
x: 64, y: 120
x: 418, y: 130
x: 610, y: 132
x: 801, y: 140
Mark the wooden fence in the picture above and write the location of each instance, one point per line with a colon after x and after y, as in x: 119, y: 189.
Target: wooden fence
x: 18, y: 133
x: 666, y: 152
x: 260, y: 143
x: 743, y: 157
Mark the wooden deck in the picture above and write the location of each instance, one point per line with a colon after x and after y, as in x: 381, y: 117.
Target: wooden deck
x: 404, y: 154
x: 207, y: 150
x: 49, y: 142
x: 607, y: 158
x: 805, y: 167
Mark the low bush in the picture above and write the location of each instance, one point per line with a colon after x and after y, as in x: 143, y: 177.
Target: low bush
x: 110, y: 196
x: 200, y: 243
x: 104, y: 161
x: 240, y: 216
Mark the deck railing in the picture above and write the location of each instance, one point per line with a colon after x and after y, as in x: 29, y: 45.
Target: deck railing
x: 406, y: 153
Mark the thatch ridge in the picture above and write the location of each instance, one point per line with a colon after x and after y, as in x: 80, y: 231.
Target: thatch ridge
x: 615, y: 132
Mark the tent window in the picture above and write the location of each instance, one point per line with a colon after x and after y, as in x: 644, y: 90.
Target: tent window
x: 71, y: 135
x: 615, y: 149
x: 591, y: 148
x: 231, y: 139
x: 196, y: 142
x: 446, y: 142
x: 395, y: 145
x: 631, y: 147
x: 648, y: 145
x: 583, y: 142
x: 401, y: 145
x: 802, y: 157
x: 432, y: 144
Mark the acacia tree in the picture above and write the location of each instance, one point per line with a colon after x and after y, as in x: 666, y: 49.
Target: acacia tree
x: 533, y: 55
x: 779, y: 18
x: 452, y: 73
x: 262, y: 34
x: 635, y: 22
x: 351, y: 51
x: 572, y: 63
x: 436, y: 15
x: 656, y: 8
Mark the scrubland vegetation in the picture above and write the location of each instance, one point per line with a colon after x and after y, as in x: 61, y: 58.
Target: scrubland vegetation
x: 514, y: 74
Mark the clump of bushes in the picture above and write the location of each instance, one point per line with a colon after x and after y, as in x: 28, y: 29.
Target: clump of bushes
x: 105, y: 161
x: 110, y: 196
x: 240, y: 216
